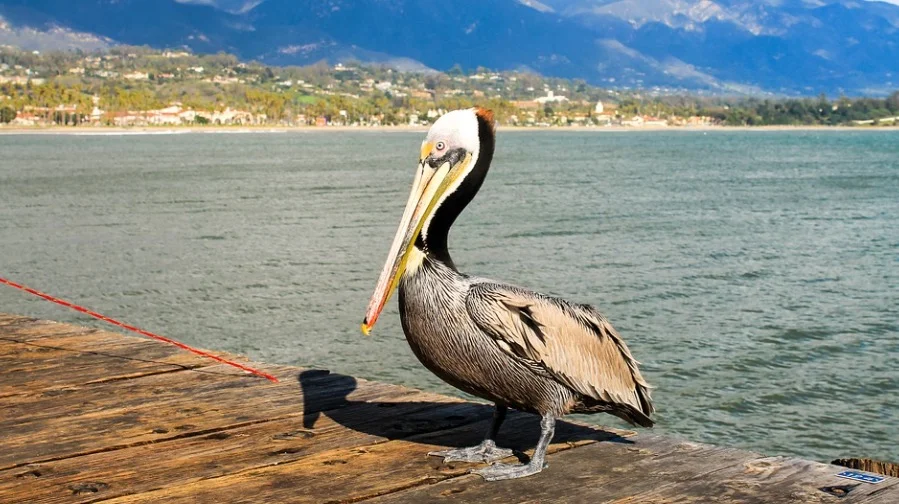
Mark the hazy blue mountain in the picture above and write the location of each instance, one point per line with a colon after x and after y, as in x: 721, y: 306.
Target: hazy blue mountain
x: 150, y: 22
x: 803, y: 45
x: 794, y: 46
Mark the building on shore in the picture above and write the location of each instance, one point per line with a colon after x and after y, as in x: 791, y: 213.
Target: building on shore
x: 550, y: 98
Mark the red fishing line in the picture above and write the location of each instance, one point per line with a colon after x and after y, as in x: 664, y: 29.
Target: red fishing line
x: 131, y: 328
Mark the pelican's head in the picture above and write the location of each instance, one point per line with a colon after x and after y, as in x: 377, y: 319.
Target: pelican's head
x: 454, y: 159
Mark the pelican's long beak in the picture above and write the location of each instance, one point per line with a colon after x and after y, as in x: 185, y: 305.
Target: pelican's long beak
x: 429, y: 185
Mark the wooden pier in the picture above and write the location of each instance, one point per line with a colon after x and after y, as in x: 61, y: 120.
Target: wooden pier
x: 89, y: 415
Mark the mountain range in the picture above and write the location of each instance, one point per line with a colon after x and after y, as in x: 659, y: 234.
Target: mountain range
x: 722, y: 46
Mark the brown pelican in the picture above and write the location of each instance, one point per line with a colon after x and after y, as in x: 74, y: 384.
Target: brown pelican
x: 511, y: 346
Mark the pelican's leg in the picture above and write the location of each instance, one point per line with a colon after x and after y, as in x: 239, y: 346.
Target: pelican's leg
x: 510, y: 471
x: 484, y: 452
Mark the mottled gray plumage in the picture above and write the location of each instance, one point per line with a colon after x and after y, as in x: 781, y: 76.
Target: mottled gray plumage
x: 519, y: 348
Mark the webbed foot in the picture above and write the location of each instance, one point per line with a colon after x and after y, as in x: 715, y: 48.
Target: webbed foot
x: 498, y: 472
x: 484, y: 452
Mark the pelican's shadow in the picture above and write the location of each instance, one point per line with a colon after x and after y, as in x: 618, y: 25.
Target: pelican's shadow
x: 449, y: 424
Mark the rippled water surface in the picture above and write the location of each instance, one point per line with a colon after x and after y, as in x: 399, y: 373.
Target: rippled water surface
x: 755, y: 274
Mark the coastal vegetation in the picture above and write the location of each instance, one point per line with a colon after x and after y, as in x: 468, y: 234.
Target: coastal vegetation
x: 139, y: 86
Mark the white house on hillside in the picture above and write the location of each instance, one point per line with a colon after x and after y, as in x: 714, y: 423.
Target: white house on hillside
x: 550, y: 98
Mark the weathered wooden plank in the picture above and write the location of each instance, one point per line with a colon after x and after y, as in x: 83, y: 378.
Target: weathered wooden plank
x: 76, y: 340
x: 885, y: 493
x: 767, y: 479
x: 69, y: 337
x: 76, y: 399
x: 184, y: 461
x: 650, y: 471
x: 600, y: 472
x: 27, y: 329
x: 34, y: 368
x: 98, y: 416
x: 151, y: 408
x: 144, y: 355
x: 10, y: 319
x: 8, y: 348
x: 32, y: 358
x: 79, y: 338
x: 217, y: 381
x: 347, y: 475
x: 108, y: 416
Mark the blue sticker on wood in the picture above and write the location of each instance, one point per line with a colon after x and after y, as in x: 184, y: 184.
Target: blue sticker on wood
x: 860, y: 476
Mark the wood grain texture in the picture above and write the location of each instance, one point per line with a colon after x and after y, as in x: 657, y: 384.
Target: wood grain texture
x: 150, y: 408
x: 769, y: 479
x: 31, y: 368
x: 27, y: 329
x: 10, y: 319
x: 188, y: 460
x: 88, y: 415
x: 599, y: 473
x: 361, y: 472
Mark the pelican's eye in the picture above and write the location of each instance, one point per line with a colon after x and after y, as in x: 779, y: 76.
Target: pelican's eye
x: 440, y: 146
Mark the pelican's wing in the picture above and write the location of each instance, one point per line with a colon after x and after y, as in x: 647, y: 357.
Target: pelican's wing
x: 574, y: 343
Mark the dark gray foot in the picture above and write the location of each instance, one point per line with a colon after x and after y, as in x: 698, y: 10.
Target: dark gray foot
x: 484, y: 452
x: 498, y: 472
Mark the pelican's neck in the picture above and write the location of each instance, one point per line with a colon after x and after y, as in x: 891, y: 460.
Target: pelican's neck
x: 434, y: 249
x: 429, y: 282
x: 426, y: 263
x: 432, y: 242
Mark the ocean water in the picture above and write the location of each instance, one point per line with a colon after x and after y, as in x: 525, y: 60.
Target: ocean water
x: 755, y: 274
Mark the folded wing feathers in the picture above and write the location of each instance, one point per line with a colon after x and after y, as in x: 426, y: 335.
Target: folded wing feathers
x: 574, y: 343
x: 640, y: 387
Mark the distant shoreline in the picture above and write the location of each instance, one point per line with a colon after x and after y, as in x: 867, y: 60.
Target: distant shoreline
x: 162, y: 130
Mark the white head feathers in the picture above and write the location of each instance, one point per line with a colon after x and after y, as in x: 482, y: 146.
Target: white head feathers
x: 459, y: 129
